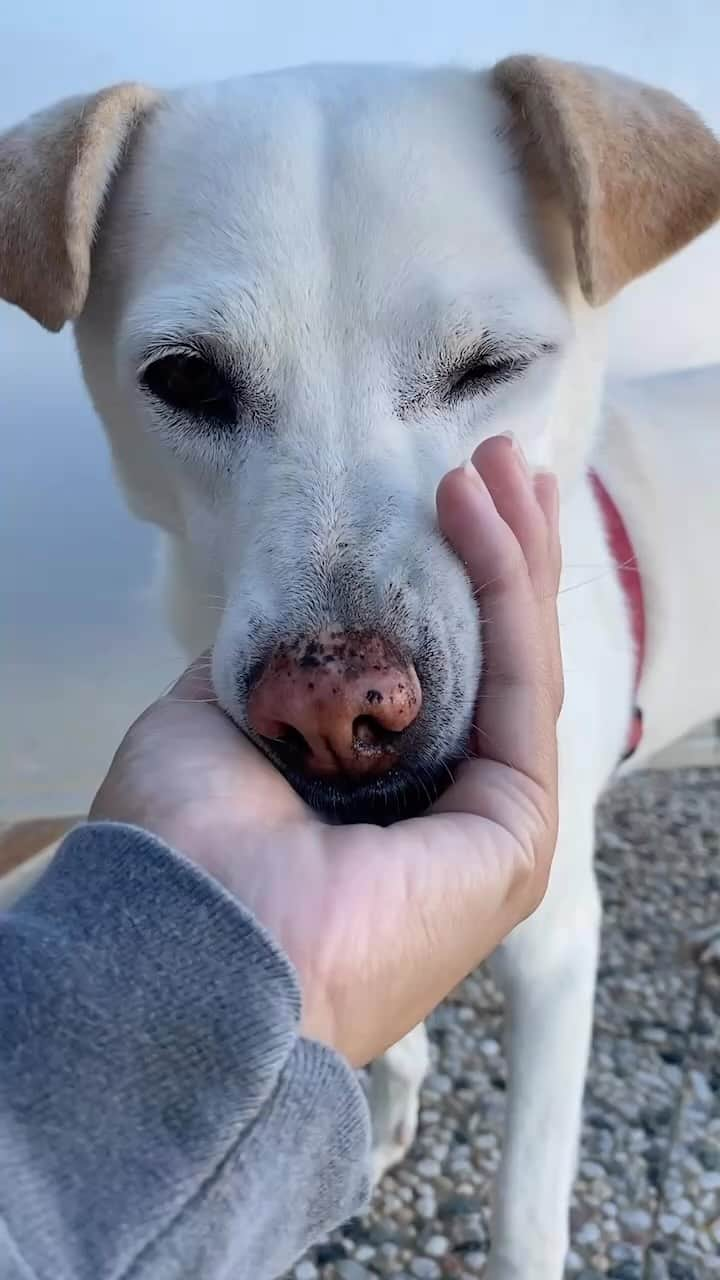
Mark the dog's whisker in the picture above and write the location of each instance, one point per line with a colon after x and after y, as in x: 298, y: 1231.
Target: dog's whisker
x: 211, y: 702
x: 426, y: 792
x: 627, y: 566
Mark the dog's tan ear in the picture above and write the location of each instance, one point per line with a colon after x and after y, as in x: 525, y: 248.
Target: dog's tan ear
x: 637, y: 170
x: 55, y: 171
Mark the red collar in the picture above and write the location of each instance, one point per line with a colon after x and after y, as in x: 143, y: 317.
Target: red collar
x: 631, y: 582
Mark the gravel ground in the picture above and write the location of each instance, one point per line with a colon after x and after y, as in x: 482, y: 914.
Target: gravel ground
x: 647, y: 1198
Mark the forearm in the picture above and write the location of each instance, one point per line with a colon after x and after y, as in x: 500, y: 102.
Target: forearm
x: 160, y: 1115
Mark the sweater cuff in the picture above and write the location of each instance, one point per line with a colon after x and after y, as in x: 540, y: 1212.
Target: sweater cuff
x: 162, y: 1062
x: 171, y: 950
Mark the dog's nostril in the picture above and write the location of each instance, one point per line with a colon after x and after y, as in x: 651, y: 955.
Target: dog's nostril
x: 370, y: 735
x: 292, y: 742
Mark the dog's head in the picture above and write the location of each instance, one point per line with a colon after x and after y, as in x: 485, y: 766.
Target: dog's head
x: 300, y: 299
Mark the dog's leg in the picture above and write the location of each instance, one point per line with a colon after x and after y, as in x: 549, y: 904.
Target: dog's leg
x: 547, y: 970
x: 394, y: 1097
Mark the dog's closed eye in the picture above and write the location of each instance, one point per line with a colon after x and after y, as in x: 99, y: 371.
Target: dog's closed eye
x: 483, y: 371
x: 450, y: 375
x: 190, y: 383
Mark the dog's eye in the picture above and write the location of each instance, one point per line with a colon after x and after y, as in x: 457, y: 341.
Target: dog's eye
x: 481, y: 374
x: 191, y: 384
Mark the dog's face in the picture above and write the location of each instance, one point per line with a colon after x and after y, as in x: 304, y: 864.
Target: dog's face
x: 311, y: 295
x: 312, y: 321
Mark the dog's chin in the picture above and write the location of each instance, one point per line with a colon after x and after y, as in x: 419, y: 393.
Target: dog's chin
x: 400, y: 794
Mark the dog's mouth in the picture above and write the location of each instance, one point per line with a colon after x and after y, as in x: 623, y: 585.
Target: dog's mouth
x: 401, y: 793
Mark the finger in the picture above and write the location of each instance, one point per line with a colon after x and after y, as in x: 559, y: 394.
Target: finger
x: 515, y: 710
x: 547, y: 494
x: 507, y: 475
x: 532, y: 512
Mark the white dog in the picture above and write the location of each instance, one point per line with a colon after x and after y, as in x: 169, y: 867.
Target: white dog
x: 300, y: 298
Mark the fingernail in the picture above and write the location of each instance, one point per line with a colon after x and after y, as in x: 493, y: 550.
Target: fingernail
x: 517, y: 449
x: 473, y: 474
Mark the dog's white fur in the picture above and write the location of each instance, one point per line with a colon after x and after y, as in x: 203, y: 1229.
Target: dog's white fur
x: 328, y: 227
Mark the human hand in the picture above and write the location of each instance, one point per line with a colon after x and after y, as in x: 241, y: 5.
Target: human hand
x: 381, y: 923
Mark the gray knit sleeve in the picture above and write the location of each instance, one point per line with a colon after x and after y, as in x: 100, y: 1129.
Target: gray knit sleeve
x: 159, y: 1114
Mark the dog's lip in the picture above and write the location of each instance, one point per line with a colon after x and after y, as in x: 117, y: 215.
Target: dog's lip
x: 386, y: 800
x: 403, y: 792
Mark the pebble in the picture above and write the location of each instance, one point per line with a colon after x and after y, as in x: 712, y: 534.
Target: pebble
x: 351, y: 1270
x: 306, y: 1271
x: 364, y: 1253
x: 589, y: 1233
x: 436, y: 1246
x: 709, y: 1156
x: 625, y: 1271
x: 701, y: 1088
x: 458, y: 1206
x: 656, y: 1267
x: 381, y: 1233
x: 391, y: 1204
x: 331, y: 1252
x: 636, y: 1219
x: 426, y: 1209
x: 425, y: 1269
x: 475, y: 1261
x: 441, y: 1084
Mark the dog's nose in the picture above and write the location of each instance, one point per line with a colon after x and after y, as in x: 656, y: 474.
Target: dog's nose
x: 336, y: 704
